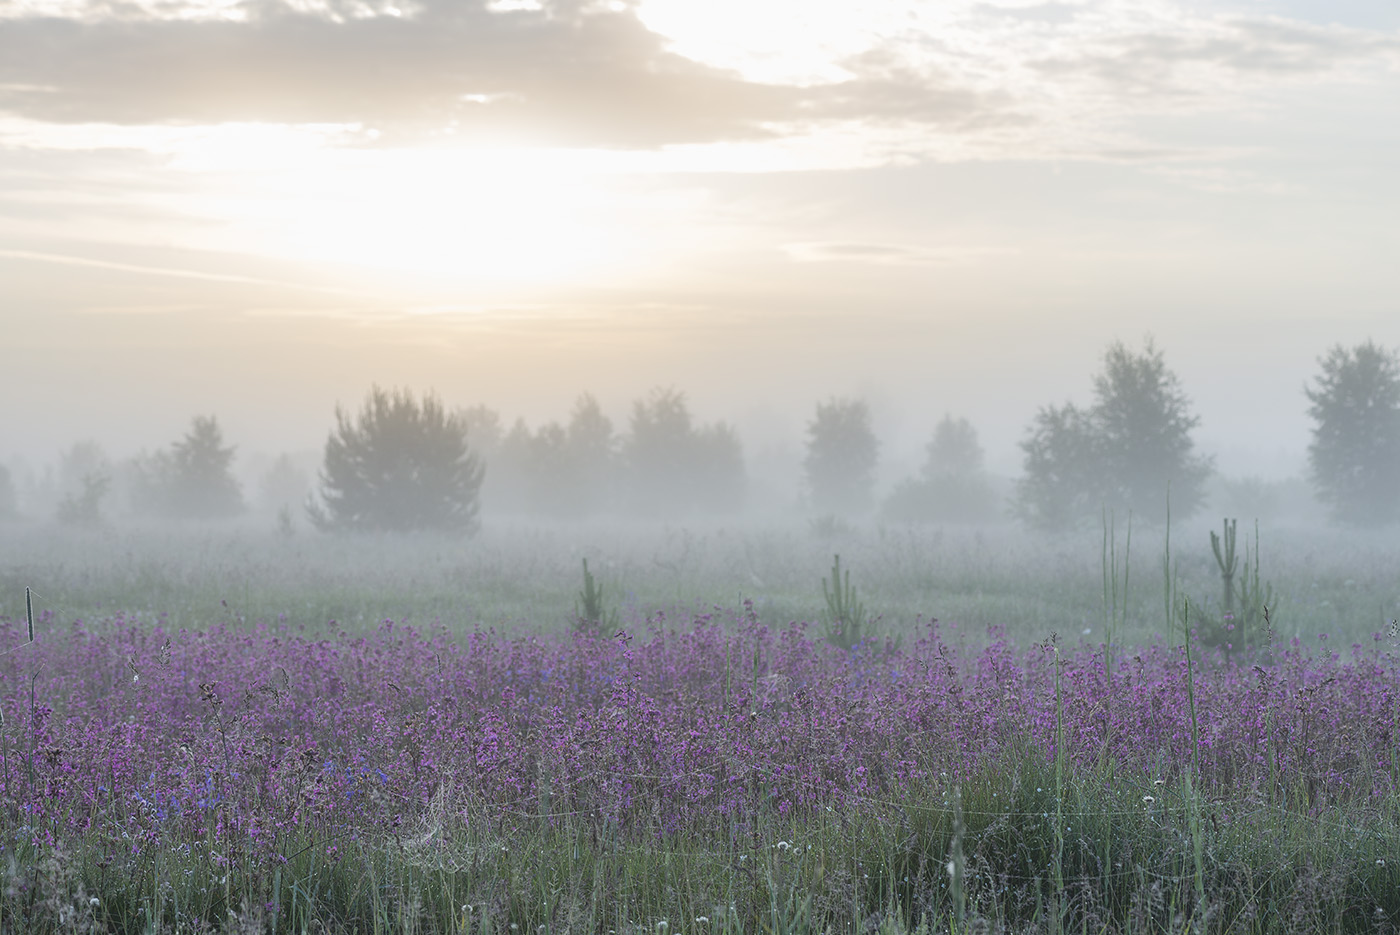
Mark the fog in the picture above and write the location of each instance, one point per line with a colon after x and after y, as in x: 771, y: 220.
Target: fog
x: 945, y: 217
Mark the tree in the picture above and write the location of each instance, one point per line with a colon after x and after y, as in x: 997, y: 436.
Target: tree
x: 1354, y: 457
x: 85, y: 480
x: 1122, y: 452
x: 1144, y: 422
x: 201, y: 483
x: 400, y: 465
x: 674, y: 465
x: 592, y: 450
x: 953, y: 486
x: 954, y: 450
x: 657, y: 451
x: 192, y: 479
x: 720, y: 476
x: 841, y: 456
x: 1063, y: 468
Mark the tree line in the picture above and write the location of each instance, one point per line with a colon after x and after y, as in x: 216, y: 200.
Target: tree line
x: 401, y: 462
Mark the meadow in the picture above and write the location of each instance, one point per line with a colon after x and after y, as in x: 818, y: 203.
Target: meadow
x: 231, y: 730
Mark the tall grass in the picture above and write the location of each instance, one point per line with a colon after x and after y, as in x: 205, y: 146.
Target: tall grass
x: 757, y: 778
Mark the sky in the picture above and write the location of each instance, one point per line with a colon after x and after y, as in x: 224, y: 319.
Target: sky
x: 257, y: 209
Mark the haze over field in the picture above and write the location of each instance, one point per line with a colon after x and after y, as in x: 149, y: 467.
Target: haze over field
x: 258, y: 208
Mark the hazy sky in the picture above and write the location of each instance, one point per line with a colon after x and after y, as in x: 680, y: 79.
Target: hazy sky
x: 257, y: 208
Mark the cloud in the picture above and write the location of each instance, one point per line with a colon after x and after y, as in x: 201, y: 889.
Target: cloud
x: 886, y: 254
x: 1205, y: 57
x: 568, y: 73
x: 970, y: 79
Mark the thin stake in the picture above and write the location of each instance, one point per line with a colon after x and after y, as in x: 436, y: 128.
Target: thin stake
x: 29, y: 611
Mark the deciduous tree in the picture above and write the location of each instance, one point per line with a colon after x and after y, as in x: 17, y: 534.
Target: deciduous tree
x: 841, y: 455
x: 1122, y: 452
x: 1355, y: 451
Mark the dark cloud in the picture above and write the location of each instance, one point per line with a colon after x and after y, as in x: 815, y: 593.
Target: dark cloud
x: 568, y: 73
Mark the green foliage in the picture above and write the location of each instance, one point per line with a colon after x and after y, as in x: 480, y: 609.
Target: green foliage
x: 953, y: 486
x: 1243, y: 613
x: 1115, y: 589
x: 1122, y: 451
x: 84, y: 507
x: 845, y: 614
x: 841, y: 455
x: 1355, y: 449
x: 193, y: 479
x: 400, y: 465
x: 1063, y: 470
x: 563, y: 471
x: 1228, y: 562
x: 590, y: 610
x: 675, y: 466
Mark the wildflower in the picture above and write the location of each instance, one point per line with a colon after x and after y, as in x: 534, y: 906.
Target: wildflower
x: 701, y: 920
x: 94, y: 902
x: 783, y: 846
x: 1148, y: 800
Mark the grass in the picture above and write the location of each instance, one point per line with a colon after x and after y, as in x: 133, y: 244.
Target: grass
x: 238, y: 764
x: 525, y: 578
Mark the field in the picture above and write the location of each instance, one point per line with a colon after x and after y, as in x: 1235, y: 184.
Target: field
x: 237, y: 731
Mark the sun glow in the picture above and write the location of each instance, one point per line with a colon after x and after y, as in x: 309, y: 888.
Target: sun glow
x: 484, y: 215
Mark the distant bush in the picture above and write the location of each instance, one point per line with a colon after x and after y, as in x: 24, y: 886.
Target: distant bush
x: 953, y: 486
x: 400, y: 465
x: 1123, y: 451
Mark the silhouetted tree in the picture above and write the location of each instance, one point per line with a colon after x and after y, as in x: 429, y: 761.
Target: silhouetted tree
x: 841, y: 456
x: 1122, y: 452
x: 592, y: 447
x: 720, y: 475
x: 510, y: 484
x: 1144, y: 422
x: 953, y: 486
x: 200, y: 484
x: 399, y: 465
x: 1355, y: 451
x: 1064, y: 471
x: 84, y: 481
x: 658, y: 450
x: 674, y: 465
x: 484, y: 431
x: 953, y: 450
x: 83, y: 507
